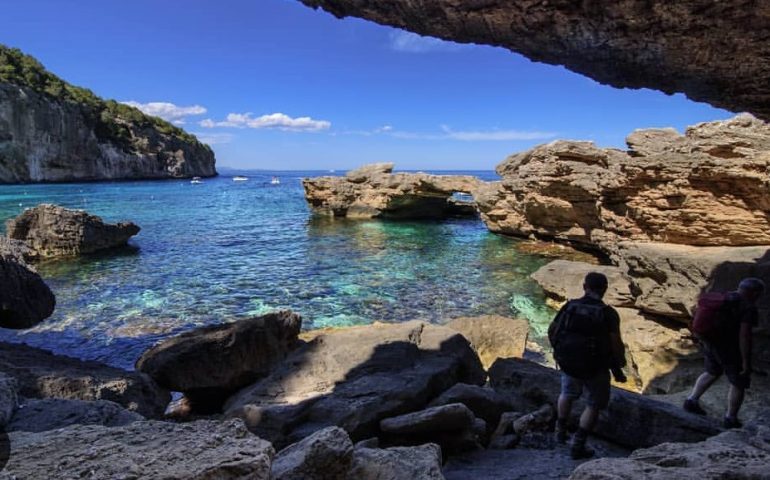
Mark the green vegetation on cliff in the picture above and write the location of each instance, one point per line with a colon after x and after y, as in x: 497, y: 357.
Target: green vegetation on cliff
x: 112, y: 121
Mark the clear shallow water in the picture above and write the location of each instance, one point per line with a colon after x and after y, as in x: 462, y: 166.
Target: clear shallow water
x: 226, y: 250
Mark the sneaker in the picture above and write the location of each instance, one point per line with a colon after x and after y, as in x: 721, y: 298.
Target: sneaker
x: 693, y: 406
x: 561, y: 436
x: 581, y: 452
x: 731, y: 422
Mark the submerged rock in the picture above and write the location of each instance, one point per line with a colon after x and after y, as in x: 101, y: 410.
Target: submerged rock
x: 53, y: 231
x: 39, y: 415
x: 41, y: 374
x: 372, y: 191
x: 355, y: 377
x: 203, y: 450
x: 493, y: 336
x: 210, y: 363
x: 25, y: 299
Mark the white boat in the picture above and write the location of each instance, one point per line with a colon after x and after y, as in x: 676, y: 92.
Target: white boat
x: 275, y: 181
x: 196, y: 180
x: 238, y: 178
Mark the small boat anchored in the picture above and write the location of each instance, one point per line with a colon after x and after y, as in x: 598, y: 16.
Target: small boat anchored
x: 275, y: 181
x: 196, y: 180
x: 239, y: 178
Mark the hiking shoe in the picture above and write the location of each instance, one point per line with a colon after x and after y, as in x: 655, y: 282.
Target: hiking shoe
x: 693, y: 406
x: 581, y: 452
x: 561, y: 436
x: 730, y: 422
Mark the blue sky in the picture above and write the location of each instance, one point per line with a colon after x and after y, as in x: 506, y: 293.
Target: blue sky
x: 273, y: 84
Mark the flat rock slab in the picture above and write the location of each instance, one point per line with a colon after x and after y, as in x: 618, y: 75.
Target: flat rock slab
x: 563, y: 279
x: 452, y: 417
x: 397, y: 463
x: 41, y: 374
x: 49, y: 414
x: 493, y: 336
x: 204, y: 450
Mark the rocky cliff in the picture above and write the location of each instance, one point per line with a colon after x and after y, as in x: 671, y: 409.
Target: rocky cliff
x: 51, y: 131
x: 714, y: 52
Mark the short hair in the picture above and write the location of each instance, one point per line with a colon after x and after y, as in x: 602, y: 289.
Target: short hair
x: 752, y: 284
x: 596, y: 282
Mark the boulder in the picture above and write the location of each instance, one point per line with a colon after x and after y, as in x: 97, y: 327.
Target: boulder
x: 36, y: 415
x: 734, y: 454
x: 504, y: 436
x: 397, y: 463
x: 540, y: 419
x: 41, y: 374
x: 210, y: 363
x: 203, y: 450
x: 25, y: 299
x: 493, y: 336
x: 625, y: 45
x: 54, y: 231
x: 324, y: 455
x: 372, y: 191
x: 484, y: 402
x: 445, y: 418
x: 9, y: 399
x: 355, y: 377
x: 632, y: 420
x: 705, y: 188
x: 563, y: 279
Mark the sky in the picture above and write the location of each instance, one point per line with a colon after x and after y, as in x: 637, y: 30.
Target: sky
x: 272, y: 84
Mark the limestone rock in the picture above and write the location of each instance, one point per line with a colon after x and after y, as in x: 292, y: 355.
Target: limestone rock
x: 41, y: 374
x: 623, y: 44
x: 355, y: 377
x: 25, y: 299
x: 540, y: 419
x: 452, y: 417
x: 484, y: 402
x: 203, y: 450
x: 9, y: 399
x: 733, y: 454
x: 563, y: 279
x: 493, y: 336
x: 53, y: 231
x: 504, y: 436
x: 325, y: 455
x: 214, y: 361
x: 373, y: 191
x: 706, y: 187
x: 632, y: 420
x: 36, y: 415
x: 397, y: 463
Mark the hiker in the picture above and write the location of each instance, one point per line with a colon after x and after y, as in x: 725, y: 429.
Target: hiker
x: 722, y: 325
x: 585, y: 336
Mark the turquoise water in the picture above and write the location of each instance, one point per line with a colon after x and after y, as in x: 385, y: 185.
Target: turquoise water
x: 226, y: 250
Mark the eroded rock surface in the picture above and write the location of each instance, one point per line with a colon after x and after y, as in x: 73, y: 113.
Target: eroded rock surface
x: 54, y: 231
x: 324, y: 455
x: 493, y: 336
x: 25, y: 299
x: 355, y: 377
x: 373, y: 191
x: 39, y: 415
x: 707, y: 187
x: 397, y: 463
x: 41, y: 374
x: 9, y: 399
x: 623, y: 44
x: 563, y: 279
x: 203, y: 450
x: 210, y: 363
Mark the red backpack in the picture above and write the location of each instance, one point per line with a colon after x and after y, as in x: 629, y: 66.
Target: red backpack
x: 709, y: 314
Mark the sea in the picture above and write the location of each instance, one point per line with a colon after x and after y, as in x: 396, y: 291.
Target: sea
x: 222, y: 250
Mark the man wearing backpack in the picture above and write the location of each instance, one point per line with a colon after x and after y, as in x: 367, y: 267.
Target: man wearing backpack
x: 723, y: 324
x: 585, y: 336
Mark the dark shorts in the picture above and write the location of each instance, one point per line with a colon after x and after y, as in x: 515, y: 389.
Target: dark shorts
x: 720, y: 359
x: 596, y: 387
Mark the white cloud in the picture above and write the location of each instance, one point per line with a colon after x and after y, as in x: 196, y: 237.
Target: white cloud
x: 214, y: 138
x: 168, y: 111
x: 279, y: 121
x: 475, y: 135
x: 402, y: 41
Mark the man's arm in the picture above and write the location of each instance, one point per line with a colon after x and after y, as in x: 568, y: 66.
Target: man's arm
x: 617, y: 348
x: 745, y: 340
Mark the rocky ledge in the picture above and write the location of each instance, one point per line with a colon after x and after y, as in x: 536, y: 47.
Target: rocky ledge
x: 373, y: 191
x: 52, y: 231
x: 624, y: 44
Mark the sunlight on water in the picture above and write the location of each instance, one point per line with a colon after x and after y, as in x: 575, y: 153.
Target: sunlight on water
x: 226, y: 250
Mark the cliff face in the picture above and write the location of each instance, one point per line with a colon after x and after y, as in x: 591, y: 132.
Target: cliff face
x: 51, y: 131
x: 714, y: 52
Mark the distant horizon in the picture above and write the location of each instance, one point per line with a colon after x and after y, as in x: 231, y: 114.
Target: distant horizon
x: 276, y: 85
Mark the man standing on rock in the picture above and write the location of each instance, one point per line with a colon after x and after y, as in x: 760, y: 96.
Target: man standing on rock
x: 726, y: 343
x: 585, y: 336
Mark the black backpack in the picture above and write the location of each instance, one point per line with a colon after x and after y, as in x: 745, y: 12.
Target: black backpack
x: 579, y: 339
